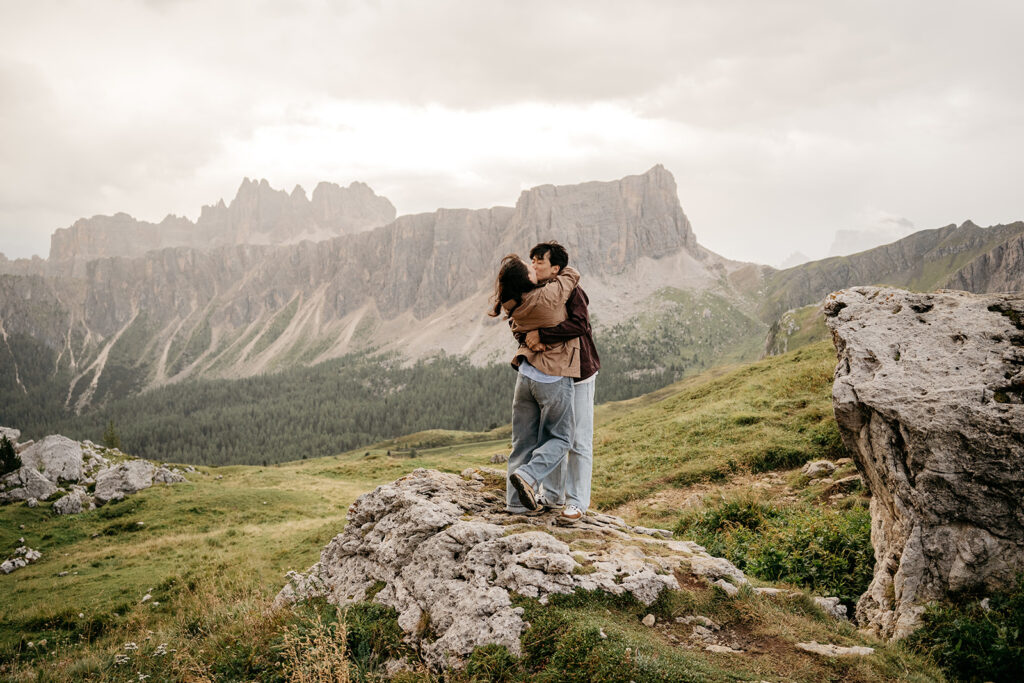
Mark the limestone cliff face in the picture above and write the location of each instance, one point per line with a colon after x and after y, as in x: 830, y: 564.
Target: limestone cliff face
x: 258, y: 214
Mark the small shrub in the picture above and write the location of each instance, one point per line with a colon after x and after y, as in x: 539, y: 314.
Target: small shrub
x: 820, y: 549
x: 972, y: 643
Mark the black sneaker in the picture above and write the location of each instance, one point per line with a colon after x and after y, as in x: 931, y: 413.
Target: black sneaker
x: 525, y: 491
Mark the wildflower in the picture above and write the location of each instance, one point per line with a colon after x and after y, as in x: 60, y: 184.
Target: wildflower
x: 131, y: 646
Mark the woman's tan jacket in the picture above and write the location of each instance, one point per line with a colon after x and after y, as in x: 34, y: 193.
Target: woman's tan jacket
x: 545, y: 307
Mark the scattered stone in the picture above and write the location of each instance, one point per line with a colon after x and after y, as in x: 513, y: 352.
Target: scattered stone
x: 831, y: 607
x: 11, y: 433
x: 447, y: 553
x: 702, y: 633
x: 31, y: 502
x: 165, y: 476
x: 817, y: 469
x: 499, y: 458
x: 146, y: 598
x: 699, y: 620
x: 828, y: 650
x: 929, y: 399
x: 23, y: 556
x: 600, y: 632
x: 729, y: 589
x: 393, y: 667
x: 723, y: 649
x: 843, y: 461
x: 649, y: 620
x: 219, y: 476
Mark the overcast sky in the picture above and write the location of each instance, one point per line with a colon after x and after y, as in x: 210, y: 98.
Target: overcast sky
x: 782, y: 122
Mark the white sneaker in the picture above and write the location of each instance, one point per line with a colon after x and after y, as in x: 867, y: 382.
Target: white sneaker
x: 571, y: 513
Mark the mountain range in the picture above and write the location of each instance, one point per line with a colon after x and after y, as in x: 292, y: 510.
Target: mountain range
x: 275, y: 281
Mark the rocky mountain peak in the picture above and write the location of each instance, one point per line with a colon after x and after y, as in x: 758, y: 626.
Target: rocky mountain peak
x: 259, y: 214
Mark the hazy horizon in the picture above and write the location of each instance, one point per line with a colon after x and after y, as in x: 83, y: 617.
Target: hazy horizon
x: 783, y: 124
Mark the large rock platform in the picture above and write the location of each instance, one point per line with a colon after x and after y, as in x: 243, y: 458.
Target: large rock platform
x: 449, y: 558
x: 928, y: 397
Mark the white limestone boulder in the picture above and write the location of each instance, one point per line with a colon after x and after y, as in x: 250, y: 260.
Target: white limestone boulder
x: 114, y: 483
x: 929, y: 398
x: 56, y: 457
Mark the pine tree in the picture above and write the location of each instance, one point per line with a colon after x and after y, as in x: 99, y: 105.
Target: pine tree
x: 9, y: 460
x: 111, y: 439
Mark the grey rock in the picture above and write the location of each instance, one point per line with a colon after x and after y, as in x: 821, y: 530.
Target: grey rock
x: 447, y: 554
x: 26, y: 483
x: 831, y: 607
x: 19, y: 447
x: 818, y: 469
x: 829, y: 650
x: 729, y: 589
x: 31, y: 502
x: 56, y: 457
x: 649, y: 620
x: 928, y: 397
x: 723, y: 649
x: 166, y: 476
x: 11, y: 433
x: 23, y: 556
x: 114, y: 483
x: 70, y: 504
x: 499, y: 458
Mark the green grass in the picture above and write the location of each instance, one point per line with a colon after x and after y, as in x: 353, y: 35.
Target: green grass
x: 773, y: 414
x: 213, y: 553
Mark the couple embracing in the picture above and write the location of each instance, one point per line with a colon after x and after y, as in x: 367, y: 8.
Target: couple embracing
x: 553, y: 406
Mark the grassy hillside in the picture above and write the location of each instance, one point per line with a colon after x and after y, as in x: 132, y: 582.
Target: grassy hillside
x: 212, y: 553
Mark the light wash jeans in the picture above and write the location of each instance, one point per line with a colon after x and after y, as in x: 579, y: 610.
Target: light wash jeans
x: 542, y: 429
x: 570, y: 483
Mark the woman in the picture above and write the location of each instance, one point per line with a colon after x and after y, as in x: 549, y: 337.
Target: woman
x: 542, y: 417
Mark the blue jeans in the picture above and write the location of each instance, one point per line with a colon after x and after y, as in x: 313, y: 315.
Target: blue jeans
x: 570, y: 483
x: 542, y: 428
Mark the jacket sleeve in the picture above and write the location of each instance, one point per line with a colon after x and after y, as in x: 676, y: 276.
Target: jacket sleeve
x: 576, y: 324
x: 558, y: 291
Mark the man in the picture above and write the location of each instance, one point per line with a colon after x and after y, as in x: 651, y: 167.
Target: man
x: 571, y: 482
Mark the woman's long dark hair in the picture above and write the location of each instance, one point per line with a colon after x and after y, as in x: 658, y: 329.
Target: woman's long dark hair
x: 513, y: 281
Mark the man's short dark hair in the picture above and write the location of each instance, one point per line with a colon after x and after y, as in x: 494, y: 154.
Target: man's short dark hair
x: 557, y: 255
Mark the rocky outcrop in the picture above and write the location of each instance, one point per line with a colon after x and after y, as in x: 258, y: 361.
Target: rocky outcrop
x: 440, y: 549
x: 928, y: 396
x: 23, y: 556
x: 258, y: 214
x: 55, y: 460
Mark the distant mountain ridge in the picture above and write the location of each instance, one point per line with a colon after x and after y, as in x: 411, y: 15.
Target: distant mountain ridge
x: 258, y: 214
x: 419, y: 285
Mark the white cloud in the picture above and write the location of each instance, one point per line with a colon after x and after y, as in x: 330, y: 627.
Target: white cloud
x: 782, y: 122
